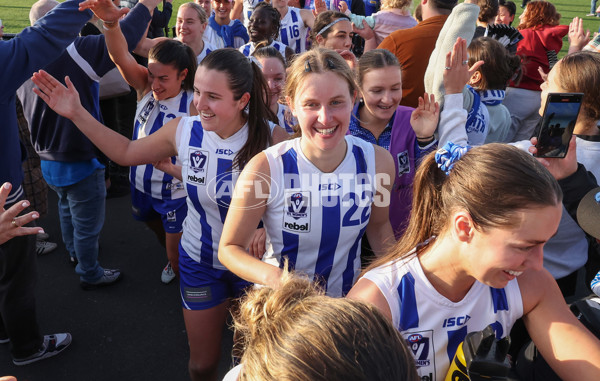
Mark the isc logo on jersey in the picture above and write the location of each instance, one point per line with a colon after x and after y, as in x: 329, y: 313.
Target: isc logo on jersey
x: 296, y: 215
x: 421, y: 345
x: 198, y: 162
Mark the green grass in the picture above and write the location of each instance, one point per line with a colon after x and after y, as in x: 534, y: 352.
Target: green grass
x: 15, y: 14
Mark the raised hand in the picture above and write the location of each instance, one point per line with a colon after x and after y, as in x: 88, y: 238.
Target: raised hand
x: 578, y: 37
x: 63, y: 100
x: 343, y: 7
x: 106, y: 10
x: 11, y: 224
x: 457, y: 72
x: 365, y: 32
x: 558, y: 167
x: 424, y: 119
x: 320, y: 6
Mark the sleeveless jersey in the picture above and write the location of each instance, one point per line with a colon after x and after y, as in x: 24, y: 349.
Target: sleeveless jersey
x: 207, y: 49
x: 434, y: 326
x: 317, y: 219
x: 206, y: 171
x: 293, y: 31
x: 249, y: 48
x: 248, y: 8
x: 150, y: 116
x: 286, y: 119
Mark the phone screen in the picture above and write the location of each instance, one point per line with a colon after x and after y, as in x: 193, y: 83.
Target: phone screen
x: 558, y: 122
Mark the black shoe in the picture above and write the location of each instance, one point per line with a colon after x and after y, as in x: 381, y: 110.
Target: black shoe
x: 53, y: 345
x: 73, y: 261
x: 109, y: 277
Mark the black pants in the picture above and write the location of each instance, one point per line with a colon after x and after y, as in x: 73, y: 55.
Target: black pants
x: 18, y: 275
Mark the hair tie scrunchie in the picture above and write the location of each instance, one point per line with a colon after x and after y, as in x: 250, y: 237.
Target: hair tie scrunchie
x: 448, y: 155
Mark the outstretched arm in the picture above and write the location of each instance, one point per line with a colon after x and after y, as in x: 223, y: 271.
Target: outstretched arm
x: 65, y: 102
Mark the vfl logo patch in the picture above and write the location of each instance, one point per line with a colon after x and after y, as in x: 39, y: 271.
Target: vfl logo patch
x: 298, y: 205
x: 297, y: 212
x: 198, y: 162
x: 420, y: 347
x: 403, y: 163
x: 171, y: 216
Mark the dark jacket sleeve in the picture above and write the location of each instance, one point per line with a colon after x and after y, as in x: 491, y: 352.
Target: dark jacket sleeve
x: 38, y: 45
x: 575, y: 187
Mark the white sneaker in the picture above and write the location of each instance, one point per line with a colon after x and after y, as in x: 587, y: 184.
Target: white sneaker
x: 44, y: 247
x: 168, y: 274
x: 53, y: 345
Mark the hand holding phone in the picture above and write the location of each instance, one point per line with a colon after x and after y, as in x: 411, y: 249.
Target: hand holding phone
x: 558, y: 121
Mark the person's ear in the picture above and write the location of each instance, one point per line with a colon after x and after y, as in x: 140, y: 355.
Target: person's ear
x: 290, y: 105
x: 183, y: 74
x: 463, y: 226
x: 244, y: 100
x: 320, y: 40
x: 475, y: 79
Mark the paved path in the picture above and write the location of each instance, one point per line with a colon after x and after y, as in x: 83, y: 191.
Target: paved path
x: 130, y: 331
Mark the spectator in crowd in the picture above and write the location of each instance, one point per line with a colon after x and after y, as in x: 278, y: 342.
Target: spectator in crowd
x: 506, y: 12
x: 413, y: 47
x: 32, y: 50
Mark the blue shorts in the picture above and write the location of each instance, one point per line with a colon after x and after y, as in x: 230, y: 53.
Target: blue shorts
x: 204, y: 287
x: 146, y: 208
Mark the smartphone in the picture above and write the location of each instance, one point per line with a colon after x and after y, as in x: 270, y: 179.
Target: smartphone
x: 558, y: 122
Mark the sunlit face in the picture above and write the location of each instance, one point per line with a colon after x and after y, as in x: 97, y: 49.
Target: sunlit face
x: 504, y: 16
x: 205, y: 4
x: 499, y: 255
x: 339, y: 36
x: 551, y: 85
x: 165, y: 80
x: 274, y: 73
x: 222, y: 9
x: 188, y: 26
x: 260, y: 26
x: 217, y: 108
x: 323, y: 105
x: 382, y: 92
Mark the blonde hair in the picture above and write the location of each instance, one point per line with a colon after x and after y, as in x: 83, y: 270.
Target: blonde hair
x: 318, y: 60
x: 396, y: 4
x: 297, y: 333
x: 195, y: 6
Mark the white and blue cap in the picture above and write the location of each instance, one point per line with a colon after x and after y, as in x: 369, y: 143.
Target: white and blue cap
x: 588, y: 213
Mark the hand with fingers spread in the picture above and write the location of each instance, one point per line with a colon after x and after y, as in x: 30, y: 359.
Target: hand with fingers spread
x: 457, y: 72
x: 578, y: 37
x: 543, y: 74
x: 349, y: 57
x: 424, y: 119
x: 105, y: 10
x: 320, y: 7
x: 343, y: 7
x: 560, y: 168
x: 11, y: 224
x: 63, y: 100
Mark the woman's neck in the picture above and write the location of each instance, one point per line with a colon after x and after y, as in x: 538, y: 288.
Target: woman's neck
x: 586, y: 127
x: 283, y: 11
x: 326, y: 161
x: 232, y: 128
x: 197, y: 47
x: 371, y: 123
x: 441, y: 264
x: 275, y: 108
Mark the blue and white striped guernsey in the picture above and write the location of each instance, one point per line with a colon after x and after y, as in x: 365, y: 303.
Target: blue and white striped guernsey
x: 209, y: 182
x: 205, y: 51
x: 293, y: 32
x: 249, y: 48
x: 317, y: 219
x: 433, y: 325
x: 150, y: 116
x: 248, y: 8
